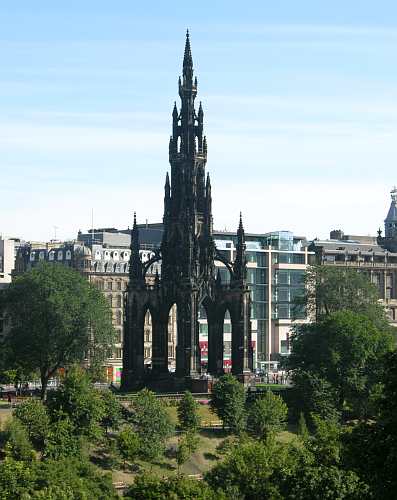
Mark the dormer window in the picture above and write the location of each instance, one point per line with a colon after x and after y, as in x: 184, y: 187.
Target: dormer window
x: 98, y: 255
x: 125, y: 255
x: 107, y: 255
x: 68, y: 255
x: 32, y: 255
x: 115, y: 255
x: 41, y: 255
x: 60, y: 255
x: 51, y: 255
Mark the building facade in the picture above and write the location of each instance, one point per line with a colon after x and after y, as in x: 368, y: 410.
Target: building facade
x: 7, y: 260
x: 374, y: 256
x: 102, y: 257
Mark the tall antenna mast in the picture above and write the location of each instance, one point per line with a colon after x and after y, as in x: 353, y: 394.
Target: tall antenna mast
x: 92, y: 226
x: 55, y: 232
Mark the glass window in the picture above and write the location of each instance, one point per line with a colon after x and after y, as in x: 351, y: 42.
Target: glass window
x: 284, y: 346
x: 260, y: 293
x: 227, y: 328
x: 283, y: 294
x: 261, y: 259
x: 260, y: 276
x: 260, y: 309
x: 283, y: 311
x: 225, y: 275
x: 251, y: 256
x: 298, y: 258
x: 251, y: 273
x: 297, y: 277
x: 282, y: 277
x: 203, y: 328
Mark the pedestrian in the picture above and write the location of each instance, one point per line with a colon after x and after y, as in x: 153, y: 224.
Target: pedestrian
x: 9, y: 399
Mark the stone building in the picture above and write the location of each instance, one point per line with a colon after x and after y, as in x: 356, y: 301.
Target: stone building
x: 7, y: 259
x: 102, y: 256
x: 375, y: 256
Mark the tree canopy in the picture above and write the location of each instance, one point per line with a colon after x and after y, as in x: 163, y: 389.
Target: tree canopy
x: 331, y: 289
x: 57, y: 318
x: 152, y: 423
x: 345, y: 350
x: 228, y: 402
x: 267, y: 415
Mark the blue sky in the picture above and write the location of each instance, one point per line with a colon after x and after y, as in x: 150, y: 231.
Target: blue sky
x: 300, y: 102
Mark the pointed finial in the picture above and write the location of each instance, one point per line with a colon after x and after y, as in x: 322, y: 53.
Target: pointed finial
x: 187, y: 58
x: 175, y: 110
x: 134, y: 219
x: 205, y: 144
x: 208, y: 181
x: 240, y: 230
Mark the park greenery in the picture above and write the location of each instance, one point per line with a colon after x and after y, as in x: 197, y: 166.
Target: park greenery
x: 332, y: 435
x: 57, y: 318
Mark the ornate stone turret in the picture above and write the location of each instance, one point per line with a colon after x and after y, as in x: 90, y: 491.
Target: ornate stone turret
x: 389, y: 241
x: 187, y: 255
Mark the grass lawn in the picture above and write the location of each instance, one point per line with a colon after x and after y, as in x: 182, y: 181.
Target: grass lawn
x: 200, y: 462
x: 5, y: 414
x: 205, y: 412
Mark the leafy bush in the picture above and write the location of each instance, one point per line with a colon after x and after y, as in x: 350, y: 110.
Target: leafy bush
x: 267, y: 415
x: 188, y: 418
x: 228, y: 402
x: 33, y: 415
x: 15, y: 440
x: 128, y: 444
x: 152, y: 424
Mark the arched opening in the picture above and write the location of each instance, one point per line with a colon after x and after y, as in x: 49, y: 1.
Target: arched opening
x: 222, y: 272
x: 147, y: 341
x: 227, y: 342
x: 203, y: 337
x: 172, y: 338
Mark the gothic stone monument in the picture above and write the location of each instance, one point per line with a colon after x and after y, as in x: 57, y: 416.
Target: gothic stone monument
x: 188, y: 275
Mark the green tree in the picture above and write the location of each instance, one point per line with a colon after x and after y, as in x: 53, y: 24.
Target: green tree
x: 57, y: 317
x: 80, y: 402
x: 34, y: 417
x: 255, y: 469
x: 345, y: 349
x: 228, y: 402
x: 267, y: 415
x: 67, y: 479
x: 188, y: 417
x: 112, y: 411
x: 303, y: 431
x: 16, y: 442
x: 152, y: 424
x: 150, y: 487
x: 314, y: 395
x: 370, y: 448
x: 15, y: 478
x: 63, y: 440
x: 128, y: 444
x: 332, y: 289
x: 187, y: 445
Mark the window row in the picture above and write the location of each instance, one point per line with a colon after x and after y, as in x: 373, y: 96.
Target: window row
x: 52, y: 255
